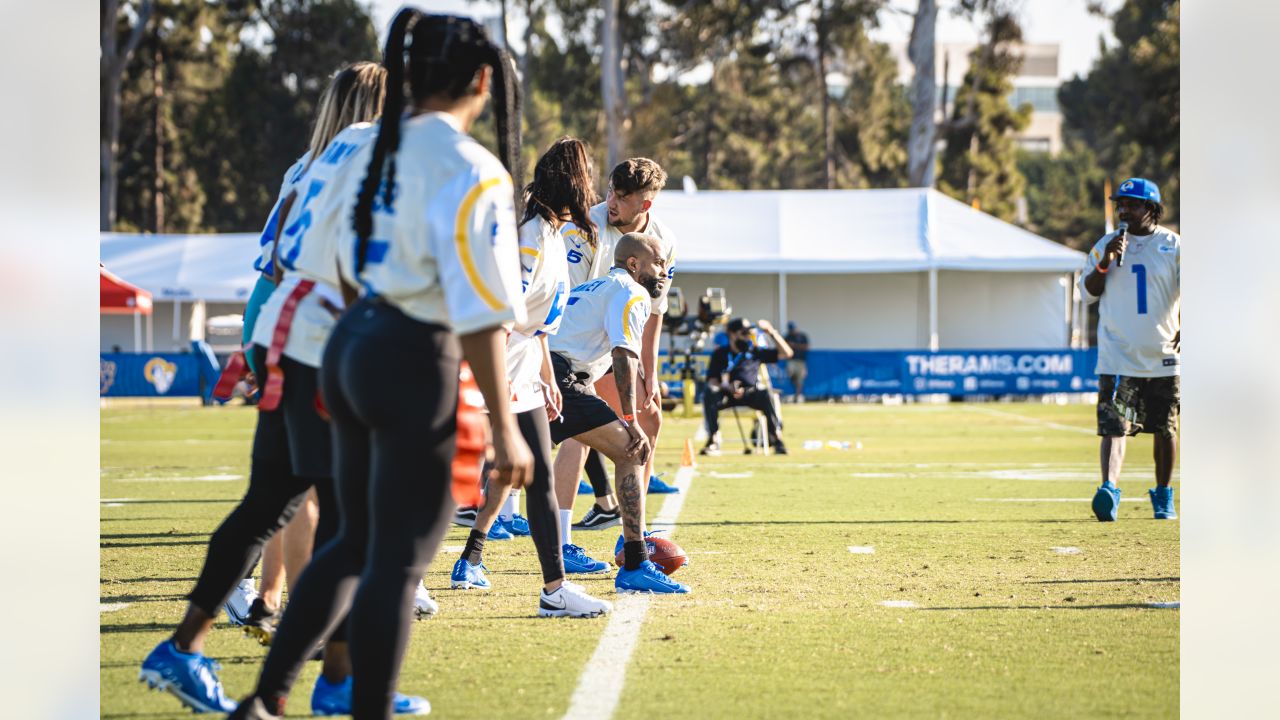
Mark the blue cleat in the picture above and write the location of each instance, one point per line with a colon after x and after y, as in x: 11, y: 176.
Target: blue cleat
x: 658, y: 487
x: 584, y: 488
x: 577, y: 562
x: 499, y: 531
x: 1162, y: 503
x: 191, y: 677
x: 646, y: 578
x: 518, y: 525
x: 1106, y: 502
x: 335, y: 699
x: 466, y: 576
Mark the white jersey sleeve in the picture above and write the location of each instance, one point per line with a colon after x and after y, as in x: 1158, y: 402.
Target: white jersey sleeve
x: 481, y: 243
x: 625, y: 316
x: 668, y: 240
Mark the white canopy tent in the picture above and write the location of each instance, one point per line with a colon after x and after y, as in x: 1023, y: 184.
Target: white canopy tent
x: 876, y: 269
x: 190, y: 277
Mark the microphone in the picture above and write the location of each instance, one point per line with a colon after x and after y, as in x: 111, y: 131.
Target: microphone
x: 1122, y: 228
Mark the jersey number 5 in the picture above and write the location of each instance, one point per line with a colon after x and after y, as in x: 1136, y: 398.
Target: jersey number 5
x: 293, y: 234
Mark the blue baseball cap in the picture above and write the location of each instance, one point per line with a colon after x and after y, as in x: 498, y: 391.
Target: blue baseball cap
x: 1139, y: 188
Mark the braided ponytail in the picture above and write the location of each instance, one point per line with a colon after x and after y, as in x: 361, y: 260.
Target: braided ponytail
x: 388, y: 139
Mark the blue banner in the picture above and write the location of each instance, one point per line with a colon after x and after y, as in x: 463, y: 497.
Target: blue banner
x: 148, y: 375
x: 834, y: 373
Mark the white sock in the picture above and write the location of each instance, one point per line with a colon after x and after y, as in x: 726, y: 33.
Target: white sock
x: 510, y: 506
x: 566, y: 526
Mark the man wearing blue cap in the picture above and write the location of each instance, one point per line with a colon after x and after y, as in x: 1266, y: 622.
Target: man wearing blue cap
x: 1134, y: 275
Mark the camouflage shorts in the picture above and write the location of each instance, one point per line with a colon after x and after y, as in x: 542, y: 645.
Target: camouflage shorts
x: 1152, y: 405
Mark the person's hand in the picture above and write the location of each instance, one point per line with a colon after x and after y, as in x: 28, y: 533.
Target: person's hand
x: 552, y: 400
x: 648, y: 391
x: 765, y: 326
x: 1115, y: 248
x: 512, y: 461
x: 639, y: 445
x: 738, y: 390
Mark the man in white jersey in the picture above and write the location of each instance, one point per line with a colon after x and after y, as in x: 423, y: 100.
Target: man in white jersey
x: 1134, y: 275
x: 601, y: 329
x: 633, y: 186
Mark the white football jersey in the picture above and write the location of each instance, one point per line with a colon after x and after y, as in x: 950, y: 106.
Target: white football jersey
x: 445, y: 250
x: 587, y: 263
x: 266, y: 242
x: 1138, y: 314
x: 545, y: 277
x: 318, y: 222
x: 601, y: 315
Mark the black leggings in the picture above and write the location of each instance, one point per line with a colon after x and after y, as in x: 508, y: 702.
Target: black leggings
x: 391, y: 386
x: 276, y: 490
x: 597, y: 475
x: 544, y: 517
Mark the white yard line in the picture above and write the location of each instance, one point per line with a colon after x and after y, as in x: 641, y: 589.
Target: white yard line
x: 1070, y: 500
x: 111, y: 607
x: 600, y: 685
x: 1034, y: 421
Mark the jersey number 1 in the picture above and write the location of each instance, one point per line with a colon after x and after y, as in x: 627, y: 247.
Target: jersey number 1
x: 1141, y: 272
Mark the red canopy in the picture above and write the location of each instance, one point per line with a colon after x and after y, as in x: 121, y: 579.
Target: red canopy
x: 120, y: 298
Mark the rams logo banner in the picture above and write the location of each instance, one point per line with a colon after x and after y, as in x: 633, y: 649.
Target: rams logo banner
x: 148, y: 375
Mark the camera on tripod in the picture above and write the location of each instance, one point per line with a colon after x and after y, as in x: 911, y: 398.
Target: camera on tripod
x: 689, y: 335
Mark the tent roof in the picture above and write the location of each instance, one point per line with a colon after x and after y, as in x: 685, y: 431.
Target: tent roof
x: 215, y: 268
x: 119, y: 297
x: 849, y: 231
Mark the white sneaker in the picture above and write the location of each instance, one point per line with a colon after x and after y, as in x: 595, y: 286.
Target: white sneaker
x: 237, y: 606
x: 423, y: 605
x: 570, y: 600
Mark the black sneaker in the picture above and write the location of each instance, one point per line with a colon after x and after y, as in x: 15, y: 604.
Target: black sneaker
x: 260, y: 624
x: 466, y: 516
x: 598, y: 519
x: 778, y: 447
x: 711, y: 448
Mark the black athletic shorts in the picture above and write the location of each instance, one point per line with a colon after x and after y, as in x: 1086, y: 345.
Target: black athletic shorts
x: 1154, y: 404
x: 294, y: 432
x: 582, y: 409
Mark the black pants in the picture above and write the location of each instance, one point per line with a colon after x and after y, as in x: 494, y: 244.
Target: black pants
x: 544, y: 515
x: 597, y: 474
x: 391, y: 386
x: 277, y: 487
x: 714, y: 401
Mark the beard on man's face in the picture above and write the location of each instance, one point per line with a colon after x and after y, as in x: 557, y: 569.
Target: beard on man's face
x: 653, y: 285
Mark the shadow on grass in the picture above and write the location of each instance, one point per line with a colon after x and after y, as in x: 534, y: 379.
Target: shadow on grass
x: 1112, y: 580
x: 203, y: 541
x: 156, y: 579
x: 175, y: 502
x: 1110, y: 606
x: 141, y: 598
x: 147, y: 536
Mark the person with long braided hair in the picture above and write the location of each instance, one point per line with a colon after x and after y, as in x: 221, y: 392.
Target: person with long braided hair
x: 435, y: 257
x: 561, y: 192
x: 290, y: 456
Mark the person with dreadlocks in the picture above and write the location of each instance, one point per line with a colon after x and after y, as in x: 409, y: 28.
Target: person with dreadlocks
x: 291, y: 449
x: 561, y: 192
x: 1134, y: 274
x: 435, y: 258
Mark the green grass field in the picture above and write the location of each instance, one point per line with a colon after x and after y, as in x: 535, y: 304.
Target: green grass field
x: 1021, y: 604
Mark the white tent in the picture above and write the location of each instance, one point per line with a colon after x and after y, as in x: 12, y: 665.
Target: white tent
x: 876, y: 269
x: 190, y: 277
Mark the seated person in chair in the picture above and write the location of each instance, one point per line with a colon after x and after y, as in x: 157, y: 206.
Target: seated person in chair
x: 733, y: 379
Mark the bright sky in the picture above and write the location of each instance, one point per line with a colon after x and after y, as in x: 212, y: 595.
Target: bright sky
x: 1065, y: 22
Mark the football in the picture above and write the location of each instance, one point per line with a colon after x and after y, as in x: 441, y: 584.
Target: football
x: 668, y: 556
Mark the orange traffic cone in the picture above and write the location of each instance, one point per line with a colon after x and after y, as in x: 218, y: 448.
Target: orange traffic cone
x: 687, y: 460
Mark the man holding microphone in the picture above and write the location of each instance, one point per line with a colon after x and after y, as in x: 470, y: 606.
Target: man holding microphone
x: 1134, y: 275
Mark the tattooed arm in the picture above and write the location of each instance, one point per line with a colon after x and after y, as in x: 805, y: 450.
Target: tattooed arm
x: 624, y: 374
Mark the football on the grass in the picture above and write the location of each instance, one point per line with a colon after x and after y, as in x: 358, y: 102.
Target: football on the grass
x: 668, y: 556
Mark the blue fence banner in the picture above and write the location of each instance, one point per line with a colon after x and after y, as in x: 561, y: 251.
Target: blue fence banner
x: 835, y: 373
x: 148, y: 375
